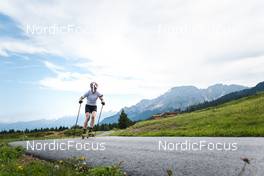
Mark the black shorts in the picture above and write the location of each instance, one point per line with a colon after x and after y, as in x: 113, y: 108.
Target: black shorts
x: 90, y: 108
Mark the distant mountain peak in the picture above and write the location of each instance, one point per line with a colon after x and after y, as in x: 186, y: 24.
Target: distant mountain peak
x: 217, y: 85
x: 66, y: 121
x: 179, y: 97
x: 183, y: 87
x: 260, y: 85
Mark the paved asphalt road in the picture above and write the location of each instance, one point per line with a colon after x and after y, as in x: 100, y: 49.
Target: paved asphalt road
x: 146, y: 155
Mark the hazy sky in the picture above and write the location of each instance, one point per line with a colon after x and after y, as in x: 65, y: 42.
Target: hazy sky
x: 51, y: 50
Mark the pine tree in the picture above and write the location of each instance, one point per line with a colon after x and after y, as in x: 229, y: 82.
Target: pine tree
x: 124, y: 121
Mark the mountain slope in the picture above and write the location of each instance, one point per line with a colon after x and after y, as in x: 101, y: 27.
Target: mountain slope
x: 66, y: 121
x: 176, y: 98
x: 243, y: 117
x: 229, y: 97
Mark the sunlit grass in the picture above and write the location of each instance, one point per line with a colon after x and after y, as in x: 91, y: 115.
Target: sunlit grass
x: 14, y: 162
x: 244, y: 117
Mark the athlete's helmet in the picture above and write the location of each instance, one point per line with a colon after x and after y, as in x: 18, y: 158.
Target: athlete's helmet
x: 93, y: 86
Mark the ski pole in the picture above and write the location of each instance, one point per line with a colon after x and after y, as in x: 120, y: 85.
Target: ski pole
x: 77, y: 119
x: 99, y: 116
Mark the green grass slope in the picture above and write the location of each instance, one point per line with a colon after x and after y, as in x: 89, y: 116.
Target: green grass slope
x: 243, y: 117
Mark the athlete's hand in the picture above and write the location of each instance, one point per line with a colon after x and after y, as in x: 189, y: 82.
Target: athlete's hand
x: 81, y: 100
x: 103, y: 103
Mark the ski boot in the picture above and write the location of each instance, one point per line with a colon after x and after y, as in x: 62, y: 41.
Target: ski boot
x: 84, y: 133
x: 88, y: 134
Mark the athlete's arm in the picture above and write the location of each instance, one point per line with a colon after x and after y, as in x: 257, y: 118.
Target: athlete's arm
x: 102, y: 100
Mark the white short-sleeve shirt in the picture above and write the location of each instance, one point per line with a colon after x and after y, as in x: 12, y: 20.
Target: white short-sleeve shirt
x: 92, y: 97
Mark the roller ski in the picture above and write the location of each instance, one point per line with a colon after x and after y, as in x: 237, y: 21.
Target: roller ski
x: 87, y: 134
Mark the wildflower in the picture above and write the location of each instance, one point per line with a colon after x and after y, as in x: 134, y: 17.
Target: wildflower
x: 82, y: 158
x: 61, y: 162
x: 56, y: 166
x: 20, y: 167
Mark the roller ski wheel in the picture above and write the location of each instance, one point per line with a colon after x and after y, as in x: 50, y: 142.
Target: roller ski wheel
x: 88, y: 134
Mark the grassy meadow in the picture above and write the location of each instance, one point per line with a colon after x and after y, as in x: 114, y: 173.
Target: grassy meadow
x: 14, y: 161
x: 243, y: 117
